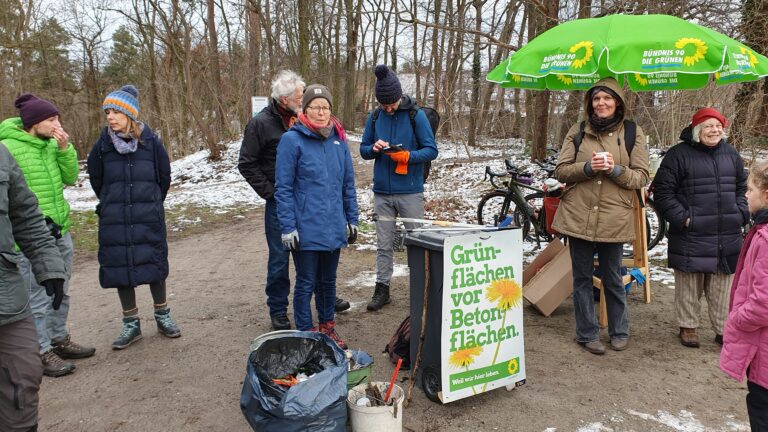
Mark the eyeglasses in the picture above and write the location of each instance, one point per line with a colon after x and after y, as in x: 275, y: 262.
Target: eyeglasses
x: 319, y: 109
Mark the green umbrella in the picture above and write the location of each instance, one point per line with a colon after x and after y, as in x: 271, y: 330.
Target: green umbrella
x: 649, y: 52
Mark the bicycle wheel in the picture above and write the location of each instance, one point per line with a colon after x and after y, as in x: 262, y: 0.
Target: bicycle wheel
x: 656, y: 226
x: 537, y: 219
x: 493, y: 208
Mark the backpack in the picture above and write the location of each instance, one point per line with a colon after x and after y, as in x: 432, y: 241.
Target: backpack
x: 434, y: 122
x: 399, y: 346
x: 630, y: 135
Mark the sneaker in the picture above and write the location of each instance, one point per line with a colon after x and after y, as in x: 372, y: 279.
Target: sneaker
x: 595, y: 347
x: 688, y: 337
x: 131, y: 333
x: 619, y: 344
x: 329, y: 329
x: 67, y: 349
x: 341, y: 305
x: 380, y: 297
x: 54, y: 366
x: 165, y: 324
x: 280, y: 321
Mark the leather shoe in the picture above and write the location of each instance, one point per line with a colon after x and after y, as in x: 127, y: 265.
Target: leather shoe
x: 688, y: 337
x: 595, y: 347
x: 619, y: 344
x: 280, y: 322
x: 341, y: 305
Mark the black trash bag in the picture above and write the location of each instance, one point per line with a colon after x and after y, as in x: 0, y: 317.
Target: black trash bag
x: 317, y: 404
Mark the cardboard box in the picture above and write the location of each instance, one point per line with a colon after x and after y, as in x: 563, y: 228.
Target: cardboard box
x: 548, y: 280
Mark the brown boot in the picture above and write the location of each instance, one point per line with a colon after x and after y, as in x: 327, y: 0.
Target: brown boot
x: 67, y: 349
x: 688, y: 337
x: 54, y: 366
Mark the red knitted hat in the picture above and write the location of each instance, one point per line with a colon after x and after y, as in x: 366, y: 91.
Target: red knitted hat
x: 706, y: 113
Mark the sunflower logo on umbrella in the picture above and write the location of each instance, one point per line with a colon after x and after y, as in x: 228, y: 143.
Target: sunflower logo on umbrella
x: 578, y: 63
x: 700, y: 49
x: 640, y: 80
x: 565, y: 79
x: 752, y: 57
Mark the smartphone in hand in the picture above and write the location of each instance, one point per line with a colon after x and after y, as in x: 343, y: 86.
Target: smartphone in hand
x: 393, y: 148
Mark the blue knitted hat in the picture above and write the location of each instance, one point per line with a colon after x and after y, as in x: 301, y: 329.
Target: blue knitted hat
x: 125, y: 100
x: 388, y: 88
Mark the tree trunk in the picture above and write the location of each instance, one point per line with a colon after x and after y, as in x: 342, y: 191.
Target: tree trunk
x: 474, y: 103
x: 540, y: 123
x: 218, y: 88
x: 305, y: 8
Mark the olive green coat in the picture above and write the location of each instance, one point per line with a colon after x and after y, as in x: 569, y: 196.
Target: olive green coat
x: 598, y: 208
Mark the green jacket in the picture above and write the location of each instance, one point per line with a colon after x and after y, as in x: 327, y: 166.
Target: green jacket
x: 46, y: 168
x: 22, y: 223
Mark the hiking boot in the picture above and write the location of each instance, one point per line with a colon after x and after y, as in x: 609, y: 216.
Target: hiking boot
x: 380, y: 297
x: 719, y: 339
x: 165, y: 324
x: 280, y: 321
x: 688, y: 337
x: 54, y: 366
x: 341, y: 305
x: 131, y: 333
x: 329, y: 329
x: 595, y: 347
x: 67, y: 349
x: 619, y: 344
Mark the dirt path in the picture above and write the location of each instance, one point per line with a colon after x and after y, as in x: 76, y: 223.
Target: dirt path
x: 217, y: 296
x: 216, y: 287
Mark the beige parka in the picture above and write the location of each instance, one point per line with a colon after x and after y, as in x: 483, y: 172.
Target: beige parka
x: 598, y: 208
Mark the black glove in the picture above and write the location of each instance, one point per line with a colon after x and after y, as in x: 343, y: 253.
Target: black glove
x: 55, y: 288
x: 53, y: 227
x: 352, y: 233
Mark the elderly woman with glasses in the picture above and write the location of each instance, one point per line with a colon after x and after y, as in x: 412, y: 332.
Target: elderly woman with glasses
x: 700, y: 190
x: 316, y: 206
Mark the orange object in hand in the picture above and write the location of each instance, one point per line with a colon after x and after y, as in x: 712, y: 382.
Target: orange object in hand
x: 401, y: 159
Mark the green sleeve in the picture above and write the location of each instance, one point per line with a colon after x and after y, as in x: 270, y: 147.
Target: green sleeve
x: 67, y: 160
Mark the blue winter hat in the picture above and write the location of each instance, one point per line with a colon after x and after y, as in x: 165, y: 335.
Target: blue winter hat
x: 388, y: 89
x: 125, y: 100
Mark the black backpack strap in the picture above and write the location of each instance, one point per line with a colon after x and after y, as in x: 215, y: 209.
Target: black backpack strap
x: 630, y: 135
x: 578, y: 138
x: 412, y: 115
x: 375, y: 116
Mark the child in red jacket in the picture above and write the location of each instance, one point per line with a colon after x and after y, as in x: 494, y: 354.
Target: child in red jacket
x: 745, y: 339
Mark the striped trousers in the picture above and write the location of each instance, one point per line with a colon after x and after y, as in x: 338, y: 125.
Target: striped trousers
x: 688, y: 290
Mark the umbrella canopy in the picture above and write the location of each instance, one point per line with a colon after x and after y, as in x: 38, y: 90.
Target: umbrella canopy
x: 649, y: 52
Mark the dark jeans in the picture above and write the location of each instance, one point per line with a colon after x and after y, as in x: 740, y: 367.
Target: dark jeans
x: 315, y: 272
x: 609, y: 258
x: 278, y: 282
x: 757, y: 407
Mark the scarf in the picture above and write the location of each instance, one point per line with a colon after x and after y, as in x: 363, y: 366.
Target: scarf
x: 325, y: 132
x: 125, y: 142
x: 288, y: 117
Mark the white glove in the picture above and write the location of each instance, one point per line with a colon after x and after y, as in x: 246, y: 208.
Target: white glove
x: 291, y: 240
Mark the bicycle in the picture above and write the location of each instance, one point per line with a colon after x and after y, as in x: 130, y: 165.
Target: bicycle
x: 508, y: 201
x: 502, y: 202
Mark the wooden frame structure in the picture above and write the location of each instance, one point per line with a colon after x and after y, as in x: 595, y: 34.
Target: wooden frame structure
x: 639, y: 259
